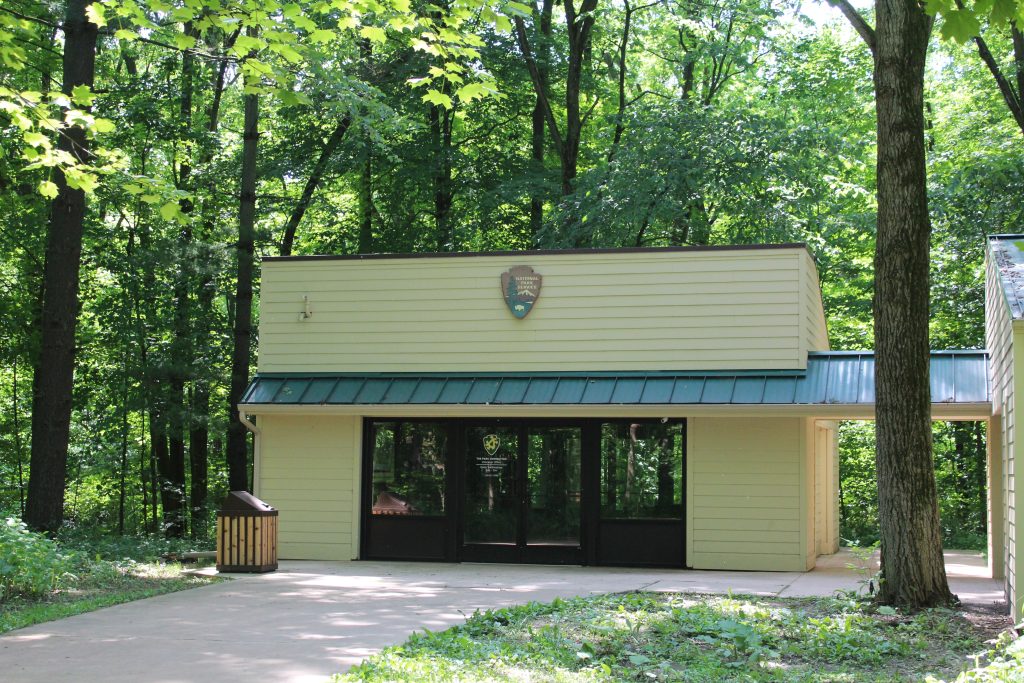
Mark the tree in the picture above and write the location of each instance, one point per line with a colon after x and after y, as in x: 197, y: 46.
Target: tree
x: 913, y: 569
x: 579, y: 25
x: 55, y: 368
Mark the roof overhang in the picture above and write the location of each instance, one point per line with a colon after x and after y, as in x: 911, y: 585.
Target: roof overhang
x: 835, y: 385
x: 940, y: 411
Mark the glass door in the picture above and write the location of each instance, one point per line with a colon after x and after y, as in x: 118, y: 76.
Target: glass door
x: 521, y: 493
x: 491, y: 501
x: 553, y: 480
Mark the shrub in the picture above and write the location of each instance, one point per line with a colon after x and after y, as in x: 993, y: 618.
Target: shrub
x: 30, y: 563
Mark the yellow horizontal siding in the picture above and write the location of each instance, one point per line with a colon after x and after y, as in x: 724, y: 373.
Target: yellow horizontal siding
x: 788, y: 524
x: 308, y: 470
x: 1007, y: 371
x: 745, y: 494
x: 627, y: 311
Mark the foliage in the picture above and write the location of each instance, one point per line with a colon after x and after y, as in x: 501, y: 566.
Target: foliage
x: 43, y: 579
x: 650, y: 637
x: 960, y: 455
x: 1002, y: 663
x: 30, y: 564
x: 95, y: 584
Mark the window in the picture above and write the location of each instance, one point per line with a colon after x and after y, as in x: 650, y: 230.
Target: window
x: 408, y: 475
x: 642, y: 470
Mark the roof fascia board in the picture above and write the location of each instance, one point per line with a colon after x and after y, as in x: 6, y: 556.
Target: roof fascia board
x: 543, y: 252
x: 837, y: 411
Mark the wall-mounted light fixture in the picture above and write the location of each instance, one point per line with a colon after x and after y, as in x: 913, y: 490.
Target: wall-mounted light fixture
x: 307, y: 311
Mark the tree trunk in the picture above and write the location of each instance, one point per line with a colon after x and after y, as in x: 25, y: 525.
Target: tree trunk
x: 440, y: 120
x: 913, y: 573
x: 312, y: 183
x: 182, y: 349
x: 579, y: 40
x: 17, y: 440
x: 237, y: 446
x: 579, y: 25
x: 542, y: 56
x: 54, y: 380
x: 365, y: 245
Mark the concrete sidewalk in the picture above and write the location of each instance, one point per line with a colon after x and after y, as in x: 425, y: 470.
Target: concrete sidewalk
x: 311, y: 619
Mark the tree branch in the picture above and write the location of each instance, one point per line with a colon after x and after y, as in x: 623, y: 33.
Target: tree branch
x: 1011, y: 98
x: 858, y: 22
x: 539, y: 86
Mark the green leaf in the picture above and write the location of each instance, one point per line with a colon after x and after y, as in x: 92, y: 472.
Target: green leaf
x: 287, y: 51
x: 48, y: 189
x: 438, y: 99
x: 472, y: 91
x: 171, y: 211
x: 35, y: 139
x: 80, y: 180
x: 321, y: 36
x: 248, y: 44
x: 96, y: 14
x: 82, y: 95
x: 125, y: 34
x: 960, y: 25
x: 1003, y: 11
x: 373, y: 33
x: 103, y: 126
x: 184, y: 42
x: 519, y: 9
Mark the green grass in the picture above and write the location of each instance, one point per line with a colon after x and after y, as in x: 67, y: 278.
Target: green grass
x: 95, y: 584
x: 664, y: 637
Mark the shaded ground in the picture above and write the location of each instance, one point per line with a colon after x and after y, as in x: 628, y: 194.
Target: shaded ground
x: 311, y: 619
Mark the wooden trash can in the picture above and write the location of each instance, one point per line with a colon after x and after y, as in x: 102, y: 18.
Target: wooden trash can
x: 246, y: 534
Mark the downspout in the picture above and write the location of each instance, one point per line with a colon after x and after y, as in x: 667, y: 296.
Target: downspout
x: 251, y: 426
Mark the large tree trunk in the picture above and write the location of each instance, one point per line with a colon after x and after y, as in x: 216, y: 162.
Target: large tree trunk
x: 182, y: 348
x: 913, y: 573
x: 54, y: 380
x: 237, y: 450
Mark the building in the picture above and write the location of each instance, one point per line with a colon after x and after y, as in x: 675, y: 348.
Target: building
x: 646, y: 407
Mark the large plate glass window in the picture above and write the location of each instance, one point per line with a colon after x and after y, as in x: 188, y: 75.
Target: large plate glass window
x: 407, y: 496
x: 409, y: 468
x: 642, y: 493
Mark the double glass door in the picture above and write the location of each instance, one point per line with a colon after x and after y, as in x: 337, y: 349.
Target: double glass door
x: 522, y: 492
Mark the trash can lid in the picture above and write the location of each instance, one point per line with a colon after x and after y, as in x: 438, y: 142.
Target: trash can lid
x: 243, y: 501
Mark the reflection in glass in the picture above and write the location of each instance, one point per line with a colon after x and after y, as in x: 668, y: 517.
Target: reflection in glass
x: 642, y: 470
x: 553, y: 470
x: 491, y: 503
x: 408, y: 468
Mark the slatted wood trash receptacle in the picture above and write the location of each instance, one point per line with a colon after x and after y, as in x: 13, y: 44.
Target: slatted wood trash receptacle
x: 246, y: 534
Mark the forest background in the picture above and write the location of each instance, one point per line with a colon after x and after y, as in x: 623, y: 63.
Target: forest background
x: 662, y: 123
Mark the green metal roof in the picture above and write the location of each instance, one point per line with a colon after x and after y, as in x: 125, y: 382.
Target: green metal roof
x: 835, y: 377
x: 1007, y: 252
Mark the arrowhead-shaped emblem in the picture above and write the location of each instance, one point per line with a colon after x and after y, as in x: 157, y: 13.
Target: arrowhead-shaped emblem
x: 521, y: 288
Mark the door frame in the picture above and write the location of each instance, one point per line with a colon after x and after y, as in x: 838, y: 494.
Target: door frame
x: 521, y: 552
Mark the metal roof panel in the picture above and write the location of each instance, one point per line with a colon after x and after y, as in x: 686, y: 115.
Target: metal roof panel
x: 844, y: 378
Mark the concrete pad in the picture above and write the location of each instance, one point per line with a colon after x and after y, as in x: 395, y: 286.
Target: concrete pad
x: 311, y: 619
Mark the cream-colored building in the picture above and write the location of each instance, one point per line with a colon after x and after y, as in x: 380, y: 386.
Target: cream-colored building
x: 646, y: 407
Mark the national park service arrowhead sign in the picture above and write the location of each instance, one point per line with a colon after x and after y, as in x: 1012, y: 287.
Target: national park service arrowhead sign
x: 521, y: 288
